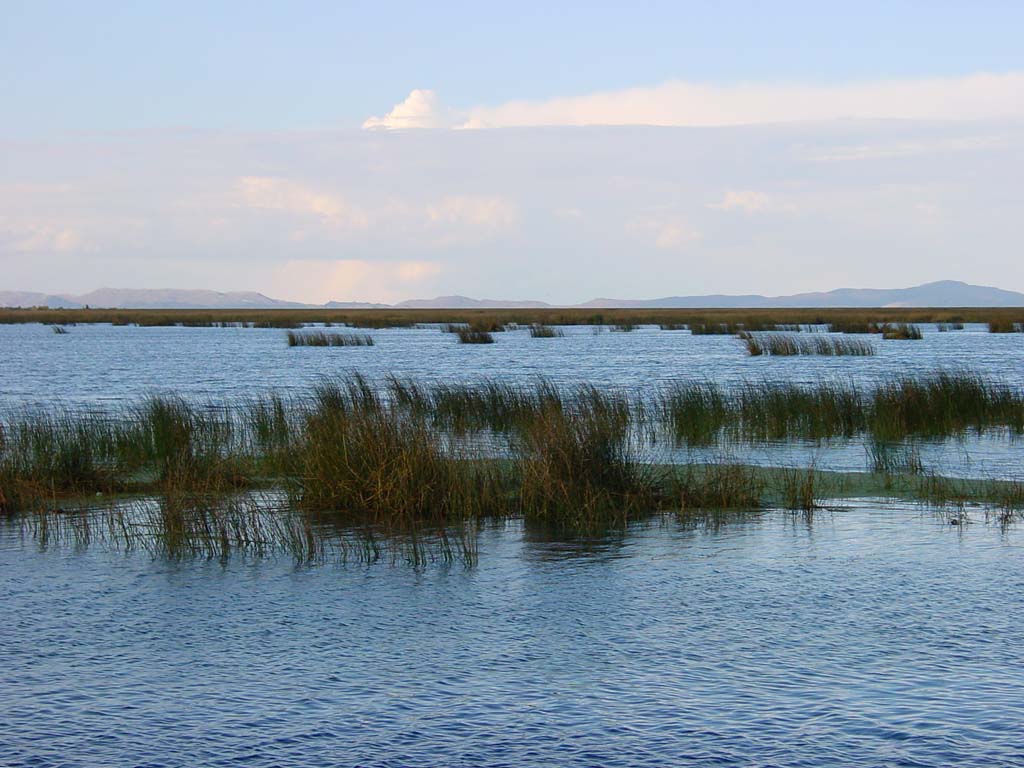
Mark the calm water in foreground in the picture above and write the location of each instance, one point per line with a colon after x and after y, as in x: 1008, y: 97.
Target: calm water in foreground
x: 870, y: 637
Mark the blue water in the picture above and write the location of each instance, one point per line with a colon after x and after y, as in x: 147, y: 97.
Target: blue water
x: 103, y: 366
x: 869, y: 637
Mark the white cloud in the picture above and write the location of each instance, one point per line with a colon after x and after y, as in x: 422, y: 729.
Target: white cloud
x: 910, y: 148
x: 420, y: 109
x: 355, y: 280
x: 487, y: 213
x: 680, y: 103
x: 750, y: 201
x: 663, y: 229
x: 285, y: 195
x: 38, y: 236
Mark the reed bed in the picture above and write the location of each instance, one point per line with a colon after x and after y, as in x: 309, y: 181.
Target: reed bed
x: 901, y: 331
x: 855, y: 326
x: 328, y: 339
x: 1005, y: 326
x: 938, y: 405
x: 469, y: 336
x: 749, y: 319
x: 539, y: 331
x: 400, y: 456
x: 786, y: 345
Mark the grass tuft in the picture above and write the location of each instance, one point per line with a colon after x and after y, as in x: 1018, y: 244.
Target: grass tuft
x: 326, y: 339
x: 539, y: 331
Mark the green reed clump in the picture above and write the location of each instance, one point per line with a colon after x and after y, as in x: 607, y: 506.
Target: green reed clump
x: 855, y: 326
x: 189, y: 448
x: 1003, y: 497
x: 785, y: 345
x: 395, y: 320
x: 889, y: 458
x: 47, y: 455
x: 624, y: 327
x: 719, y: 485
x: 270, y: 429
x: 469, y: 336
x: 782, y: 410
x: 578, y: 467
x: 354, y: 393
x: 946, y: 327
x: 1005, y: 326
x: 326, y: 339
x: 799, y: 489
x: 486, y: 325
x: 699, y: 413
x: 389, y: 468
x: 715, y: 329
x: 943, y: 404
x: 276, y: 322
x: 538, y: 331
x: 695, y: 412
x: 491, y: 404
x: 672, y: 326
x: 736, y: 327
x: 901, y: 331
x: 59, y: 330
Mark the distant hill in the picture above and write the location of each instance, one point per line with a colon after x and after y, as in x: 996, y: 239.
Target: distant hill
x: 146, y: 298
x: 945, y: 293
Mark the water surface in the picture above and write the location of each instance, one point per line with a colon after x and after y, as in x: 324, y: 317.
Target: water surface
x: 868, y: 637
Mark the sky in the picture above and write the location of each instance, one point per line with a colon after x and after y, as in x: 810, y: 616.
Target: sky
x: 322, y: 151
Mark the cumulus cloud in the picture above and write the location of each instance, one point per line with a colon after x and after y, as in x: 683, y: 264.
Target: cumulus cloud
x: 680, y: 103
x: 420, y: 109
x: 355, y: 279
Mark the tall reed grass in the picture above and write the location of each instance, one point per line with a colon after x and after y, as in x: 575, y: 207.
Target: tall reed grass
x: 407, y: 454
x: 1005, y: 326
x: 539, y: 331
x: 786, y: 345
x: 328, y: 339
x: 469, y: 336
x: 901, y: 331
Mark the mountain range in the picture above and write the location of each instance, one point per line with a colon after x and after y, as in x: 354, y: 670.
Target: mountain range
x: 944, y: 293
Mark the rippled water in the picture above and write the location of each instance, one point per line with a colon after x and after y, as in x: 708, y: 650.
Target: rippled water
x: 869, y: 637
x: 103, y: 365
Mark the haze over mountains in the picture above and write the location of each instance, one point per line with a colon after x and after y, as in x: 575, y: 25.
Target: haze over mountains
x: 944, y: 293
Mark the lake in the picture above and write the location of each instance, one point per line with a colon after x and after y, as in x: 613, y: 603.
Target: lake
x: 871, y: 633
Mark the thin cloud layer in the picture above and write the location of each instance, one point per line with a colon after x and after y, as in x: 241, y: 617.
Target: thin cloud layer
x: 561, y: 215
x: 680, y: 103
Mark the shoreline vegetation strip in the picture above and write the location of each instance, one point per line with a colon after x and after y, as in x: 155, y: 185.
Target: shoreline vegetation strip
x: 401, y: 453
x: 708, y: 321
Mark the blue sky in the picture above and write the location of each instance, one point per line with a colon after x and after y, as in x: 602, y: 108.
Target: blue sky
x: 258, y: 65
x: 317, y: 150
